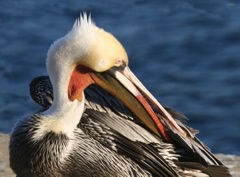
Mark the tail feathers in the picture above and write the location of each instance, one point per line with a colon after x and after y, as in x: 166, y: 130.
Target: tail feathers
x: 211, y: 170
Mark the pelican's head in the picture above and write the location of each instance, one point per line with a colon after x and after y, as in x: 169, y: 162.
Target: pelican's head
x: 94, y: 56
x: 88, y: 45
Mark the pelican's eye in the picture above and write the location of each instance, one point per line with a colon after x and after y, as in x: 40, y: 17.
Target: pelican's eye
x: 118, y: 62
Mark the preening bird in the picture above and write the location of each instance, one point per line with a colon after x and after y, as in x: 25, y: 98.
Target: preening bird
x: 99, y: 119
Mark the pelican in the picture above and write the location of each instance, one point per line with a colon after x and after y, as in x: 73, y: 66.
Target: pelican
x: 100, y: 120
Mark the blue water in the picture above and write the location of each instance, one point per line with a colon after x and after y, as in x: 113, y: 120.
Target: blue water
x: 186, y: 52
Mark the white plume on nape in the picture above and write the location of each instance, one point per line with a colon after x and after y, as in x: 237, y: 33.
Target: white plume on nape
x: 83, y: 21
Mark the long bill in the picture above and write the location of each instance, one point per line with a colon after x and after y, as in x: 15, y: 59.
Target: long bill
x: 127, y: 72
x: 124, y: 86
x: 128, y: 89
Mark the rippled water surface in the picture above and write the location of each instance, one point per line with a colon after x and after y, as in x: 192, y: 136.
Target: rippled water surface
x: 186, y: 52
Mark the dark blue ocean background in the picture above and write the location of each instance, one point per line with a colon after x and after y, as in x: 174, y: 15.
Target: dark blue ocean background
x: 187, y: 53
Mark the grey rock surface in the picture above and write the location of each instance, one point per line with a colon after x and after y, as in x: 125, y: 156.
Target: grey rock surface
x: 5, y: 170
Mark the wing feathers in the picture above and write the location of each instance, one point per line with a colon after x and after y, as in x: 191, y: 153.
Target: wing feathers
x: 142, y: 153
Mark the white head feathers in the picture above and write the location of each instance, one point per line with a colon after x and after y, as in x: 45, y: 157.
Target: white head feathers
x: 87, y: 45
x: 83, y: 21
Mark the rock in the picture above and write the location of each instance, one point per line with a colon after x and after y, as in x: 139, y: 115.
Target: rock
x: 231, y: 161
x: 5, y: 170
